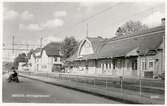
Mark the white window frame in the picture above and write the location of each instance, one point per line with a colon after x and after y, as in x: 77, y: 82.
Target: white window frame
x: 106, y: 66
x: 101, y: 65
x: 143, y: 60
x: 151, y: 68
x: 55, y: 59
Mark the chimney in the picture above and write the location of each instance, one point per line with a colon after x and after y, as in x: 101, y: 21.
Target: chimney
x: 163, y: 21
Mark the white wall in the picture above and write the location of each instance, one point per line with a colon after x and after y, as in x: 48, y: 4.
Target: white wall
x: 86, y: 48
x: 46, y: 62
x: 33, y: 63
x: 156, y: 64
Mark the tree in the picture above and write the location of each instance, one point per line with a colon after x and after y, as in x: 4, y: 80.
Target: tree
x: 30, y: 53
x: 69, y: 46
x: 130, y: 27
x: 20, y: 58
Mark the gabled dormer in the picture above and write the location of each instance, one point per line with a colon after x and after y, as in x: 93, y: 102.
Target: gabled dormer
x: 85, y: 48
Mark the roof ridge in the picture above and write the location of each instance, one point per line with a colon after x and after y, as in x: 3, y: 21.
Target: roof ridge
x: 133, y: 36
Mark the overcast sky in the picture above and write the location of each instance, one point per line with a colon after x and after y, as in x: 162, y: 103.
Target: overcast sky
x: 28, y: 21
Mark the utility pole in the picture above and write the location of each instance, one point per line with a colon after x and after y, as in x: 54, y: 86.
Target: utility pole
x: 41, y: 39
x: 12, y: 50
x: 13, y: 44
x: 87, y: 30
x: 27, y: 47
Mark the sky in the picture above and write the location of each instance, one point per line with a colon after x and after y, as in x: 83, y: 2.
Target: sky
x: 28, y: 21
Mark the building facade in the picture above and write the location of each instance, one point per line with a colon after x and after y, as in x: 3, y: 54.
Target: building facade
x: 137, y: 55
x: 47, y: 59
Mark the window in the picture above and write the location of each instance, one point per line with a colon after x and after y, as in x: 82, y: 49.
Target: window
x: 55, y: 58
x: 134, y: 64
x: 144, y: 65
x: 129, y: 64
x: 151, y: 64
x: 119, y: 64
x: 109, y: 66
x: 102, y: 66
x: 106, y: 66
x: 58, y: 59
x: 86, y: 49
x: 86, y: 67
x: 44, y: 66
x: 87, y: 45
x: 114, y: 65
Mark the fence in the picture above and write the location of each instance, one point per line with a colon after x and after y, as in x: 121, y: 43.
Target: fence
x: 149, y: 88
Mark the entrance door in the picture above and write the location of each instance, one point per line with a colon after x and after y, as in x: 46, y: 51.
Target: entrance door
x: 134, y: 67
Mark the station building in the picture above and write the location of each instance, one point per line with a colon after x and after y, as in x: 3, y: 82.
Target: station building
x: 138, y: 54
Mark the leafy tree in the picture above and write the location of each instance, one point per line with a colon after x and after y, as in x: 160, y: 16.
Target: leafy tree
x: 29, y: 53
x: 130, y: 27
x: 20, y: 58
x: 69, y: 46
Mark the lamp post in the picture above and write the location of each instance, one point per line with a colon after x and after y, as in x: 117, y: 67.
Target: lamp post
x: 122, y: 78
x: 140, y: 76
x: 139, y: 68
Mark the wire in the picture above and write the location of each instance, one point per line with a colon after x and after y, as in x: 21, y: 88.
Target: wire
x: 134, y: 15
x: 99, y: 13
x: 90, y: 17
x: 16, y: 49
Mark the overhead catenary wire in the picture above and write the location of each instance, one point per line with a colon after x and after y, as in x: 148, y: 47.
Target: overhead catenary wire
x: 17, y: 48
x: 75, y: 25
x: 88, y: 18
x: 97, y: 14
x: 134, y: 15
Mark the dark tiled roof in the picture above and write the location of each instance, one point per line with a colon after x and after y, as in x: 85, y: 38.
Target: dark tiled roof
x: 53, y: 49
x: 120, y: 46
x: 37, y: 50
x: 123, y: 46
x: 96, y: 42
x: 155, y: 29
x: 162, y: 45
